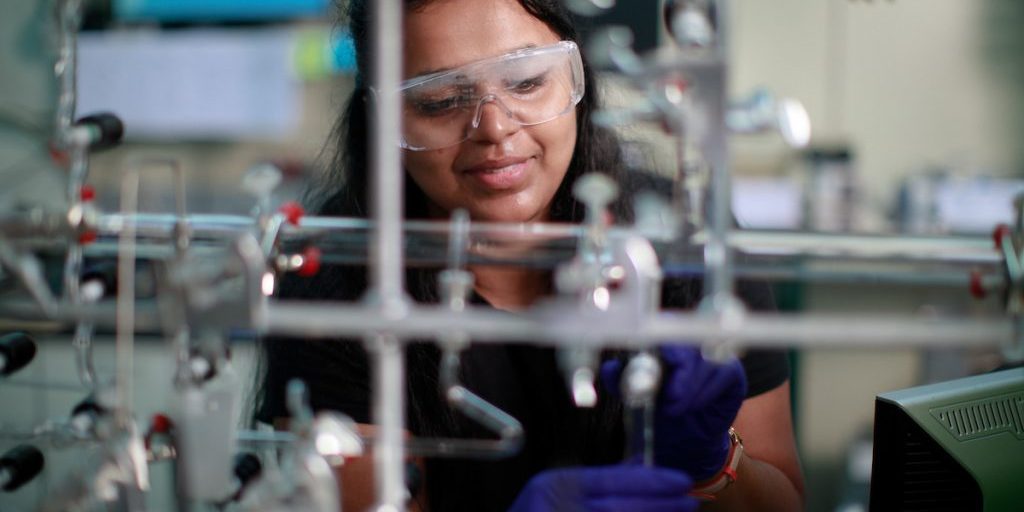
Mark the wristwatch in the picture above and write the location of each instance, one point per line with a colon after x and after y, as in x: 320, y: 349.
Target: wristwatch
x: 727, y: 475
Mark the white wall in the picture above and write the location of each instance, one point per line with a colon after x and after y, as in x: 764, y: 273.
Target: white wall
x: 903, y: 82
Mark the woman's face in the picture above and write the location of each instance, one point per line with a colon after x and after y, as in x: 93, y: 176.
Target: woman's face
x: 503, y: 172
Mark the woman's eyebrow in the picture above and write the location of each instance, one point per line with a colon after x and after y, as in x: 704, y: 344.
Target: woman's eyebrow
x: 446, y: 69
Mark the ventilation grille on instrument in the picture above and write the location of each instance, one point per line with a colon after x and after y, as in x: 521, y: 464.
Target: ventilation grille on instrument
x: 930, y: 481
x: 980, y: 418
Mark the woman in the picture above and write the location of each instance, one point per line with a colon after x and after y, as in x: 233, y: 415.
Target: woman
x: 507, y: 145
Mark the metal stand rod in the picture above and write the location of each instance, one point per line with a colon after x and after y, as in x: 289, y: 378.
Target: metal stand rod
x: 124, y: 346
x: 386, y: 255
x: 717, y: 253
x: 386, y: 166
x: 388, y: 413
x: 483, y: 325
x: 125, y: 343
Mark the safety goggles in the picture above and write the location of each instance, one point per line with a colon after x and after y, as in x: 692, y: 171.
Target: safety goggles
x: 531, y: 86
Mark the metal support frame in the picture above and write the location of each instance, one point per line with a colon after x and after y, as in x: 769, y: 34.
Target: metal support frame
x: 387, y: 270
x: 484, y: 325
x: 386, y: 318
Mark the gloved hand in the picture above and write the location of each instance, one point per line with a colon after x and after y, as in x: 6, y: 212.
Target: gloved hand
x: 607, y: 489
x: 696, y: 404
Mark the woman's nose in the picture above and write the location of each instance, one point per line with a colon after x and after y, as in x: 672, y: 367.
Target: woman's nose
x: 493, y: 121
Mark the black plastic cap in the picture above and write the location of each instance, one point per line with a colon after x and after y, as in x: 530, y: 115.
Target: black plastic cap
x: 109, y: 127
x: 18, y: 349
x: 105, y: 272
x: 22, y: 463
x: 247, y: 467
x: 88, y: 405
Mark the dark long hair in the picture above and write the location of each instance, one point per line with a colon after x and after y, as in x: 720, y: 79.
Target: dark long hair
x: 344, y: 187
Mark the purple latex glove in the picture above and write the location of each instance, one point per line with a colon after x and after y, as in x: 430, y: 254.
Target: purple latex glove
x: 697, y: 403
x: 607, y: 489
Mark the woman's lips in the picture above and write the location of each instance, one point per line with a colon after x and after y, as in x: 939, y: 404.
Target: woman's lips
x: 504, y: 174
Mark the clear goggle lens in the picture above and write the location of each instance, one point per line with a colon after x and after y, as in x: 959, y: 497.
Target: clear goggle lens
x: 532, y: 86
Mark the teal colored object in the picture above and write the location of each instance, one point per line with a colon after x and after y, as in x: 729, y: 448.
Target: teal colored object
x: 966, y: 434
x: 344, y: 54
x: 217, y: 10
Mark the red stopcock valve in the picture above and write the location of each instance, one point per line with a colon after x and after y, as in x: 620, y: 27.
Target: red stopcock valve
x: 310, y: 262
x: 293, y: 212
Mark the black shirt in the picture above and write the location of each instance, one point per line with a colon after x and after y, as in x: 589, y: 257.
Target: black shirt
x: 523, y: 380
